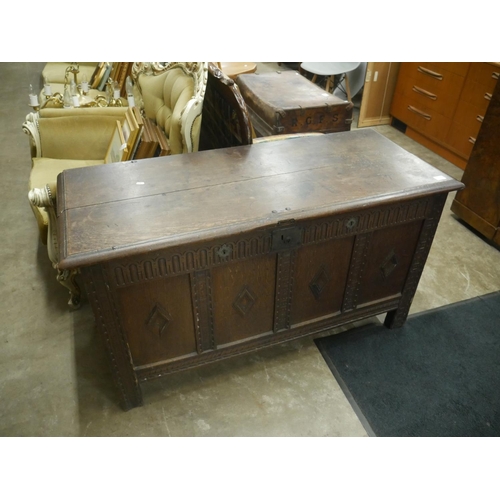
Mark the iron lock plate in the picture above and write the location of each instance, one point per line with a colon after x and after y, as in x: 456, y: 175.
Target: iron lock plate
x: 286, y: 238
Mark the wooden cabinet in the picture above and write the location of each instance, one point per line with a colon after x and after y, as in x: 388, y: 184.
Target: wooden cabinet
x: 190, y: 259
x: 442, y: 105
x: 479, y: 203
x: 380, y: 82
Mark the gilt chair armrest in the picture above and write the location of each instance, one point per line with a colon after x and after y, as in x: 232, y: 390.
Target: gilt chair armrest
x: 31, y: 129
x: 45, y: 199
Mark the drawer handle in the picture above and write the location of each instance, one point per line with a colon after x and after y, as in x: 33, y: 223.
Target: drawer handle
x: 488, y: 96
x: 425, y: 93
x: 495, y: 75
x: 428, y: 72
x: 471, y: 139
x: 418, y: 112
x: 480, y: 118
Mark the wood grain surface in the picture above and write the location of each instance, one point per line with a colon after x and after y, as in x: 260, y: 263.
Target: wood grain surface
x: 121, y: 209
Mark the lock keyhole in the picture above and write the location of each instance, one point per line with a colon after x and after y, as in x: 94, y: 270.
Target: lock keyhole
x: 286, y: 238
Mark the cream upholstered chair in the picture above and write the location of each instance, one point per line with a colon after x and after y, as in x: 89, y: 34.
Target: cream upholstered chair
x: 56, y: 75
x: 62, y: 139
x: 55, y: 72
x: 171, y: 94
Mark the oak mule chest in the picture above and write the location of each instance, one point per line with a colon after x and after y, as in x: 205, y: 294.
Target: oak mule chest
x: 194, y: 258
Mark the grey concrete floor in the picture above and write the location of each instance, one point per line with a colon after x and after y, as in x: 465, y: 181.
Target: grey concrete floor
x: 54, y: 377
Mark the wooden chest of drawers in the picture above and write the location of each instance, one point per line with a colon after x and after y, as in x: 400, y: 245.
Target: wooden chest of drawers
x: 443, y: 104
x: 193, y: 258
x: 479, y: 203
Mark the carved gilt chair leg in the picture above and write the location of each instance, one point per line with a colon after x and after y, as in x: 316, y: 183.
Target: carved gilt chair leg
x: 67, y: 278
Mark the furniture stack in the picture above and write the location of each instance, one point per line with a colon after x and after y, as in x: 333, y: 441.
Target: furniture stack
x: 68, y: 138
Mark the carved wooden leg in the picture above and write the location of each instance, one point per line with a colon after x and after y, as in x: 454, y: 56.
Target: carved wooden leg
x: 67, y: 278
x: 397, y: 318
x: 108, y: 323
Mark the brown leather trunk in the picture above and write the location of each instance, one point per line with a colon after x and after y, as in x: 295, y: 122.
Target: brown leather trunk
x: 288, y: 103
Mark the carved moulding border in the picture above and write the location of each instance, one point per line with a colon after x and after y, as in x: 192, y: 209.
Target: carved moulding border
x: 366, y: 221
x: 133, y: 272
x: 165, y: 264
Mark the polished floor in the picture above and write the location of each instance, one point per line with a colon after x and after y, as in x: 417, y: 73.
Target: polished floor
x: 54, y: 378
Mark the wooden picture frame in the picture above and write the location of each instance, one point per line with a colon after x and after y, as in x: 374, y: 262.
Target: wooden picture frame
x: 117, y: 149
x: 131, y: 130
x: 98, y: 75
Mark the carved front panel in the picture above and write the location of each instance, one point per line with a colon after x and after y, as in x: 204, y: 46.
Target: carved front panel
x: 388, y: 258
x: 320, y: 279
x: 158, y: 319
x: 243, y: 299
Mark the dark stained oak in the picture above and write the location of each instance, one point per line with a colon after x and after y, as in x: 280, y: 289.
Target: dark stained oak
x: 193, y: 258
x: 114, y: 210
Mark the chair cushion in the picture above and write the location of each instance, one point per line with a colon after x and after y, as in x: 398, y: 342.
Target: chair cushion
x: 46, y: 170
x: 84, y: 137
x: 55, y: 71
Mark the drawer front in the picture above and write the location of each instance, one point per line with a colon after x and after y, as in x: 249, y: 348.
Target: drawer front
x: 477, y: 94
x: 465, y: 129
x: 458, y: 68
x: 485, y: 74
x: 436, y: 90
x: 469, y: 117
x: 420, y: 117
x: 480, y: 84
x: 462, y: 141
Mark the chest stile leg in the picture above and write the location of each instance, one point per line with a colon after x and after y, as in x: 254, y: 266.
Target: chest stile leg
x: 396, y: 318
x: 108, y: 323
x: 201, y: 286
x: 284, y: 287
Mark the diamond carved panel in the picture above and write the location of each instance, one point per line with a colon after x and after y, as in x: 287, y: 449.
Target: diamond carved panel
x: 390, y: 263
x: 158, y: 320
x: 319, y: 282
x: 244, y: 301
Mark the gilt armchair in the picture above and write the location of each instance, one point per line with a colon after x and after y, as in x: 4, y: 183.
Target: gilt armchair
x: 172, y: 94
x: 62, y: 139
